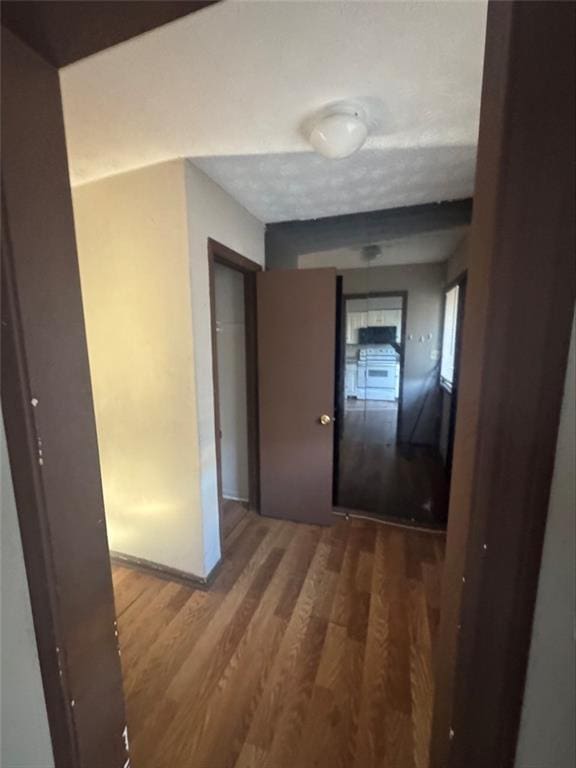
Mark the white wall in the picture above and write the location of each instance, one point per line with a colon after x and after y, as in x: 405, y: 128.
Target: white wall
x: 231, y: 348
x: 547, y: 734
x: 142, y: 245
x: 212, y: 213
x: 133, y: 254
x: 24, y: 734
x: 457, y: 264
x: 425, y: 286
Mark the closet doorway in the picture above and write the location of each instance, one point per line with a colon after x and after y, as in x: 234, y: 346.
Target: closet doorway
x: 233, y: 319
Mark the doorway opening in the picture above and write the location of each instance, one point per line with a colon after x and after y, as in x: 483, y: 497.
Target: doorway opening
x: 369, y: 391
x: 394, y: 415
x: 232, y: 305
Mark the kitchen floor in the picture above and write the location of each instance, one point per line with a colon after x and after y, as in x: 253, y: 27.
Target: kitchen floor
x: 312, y: 648
x: 381, y: 478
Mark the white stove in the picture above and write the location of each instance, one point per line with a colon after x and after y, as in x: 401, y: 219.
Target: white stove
x: 378, y: 373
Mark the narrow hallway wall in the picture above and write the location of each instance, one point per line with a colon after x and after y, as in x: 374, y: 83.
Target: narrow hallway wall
x: 143, y: 253
x: 133, y: 254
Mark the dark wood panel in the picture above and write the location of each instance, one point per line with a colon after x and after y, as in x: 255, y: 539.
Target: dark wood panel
x: 47, y: 404
x: 296, y: 313
x: 461, y: 281
x: 313, y: 647
x: 63, y: 31
x: 520, y: 302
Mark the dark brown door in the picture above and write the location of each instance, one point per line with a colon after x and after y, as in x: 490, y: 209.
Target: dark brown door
x: 296, y: 348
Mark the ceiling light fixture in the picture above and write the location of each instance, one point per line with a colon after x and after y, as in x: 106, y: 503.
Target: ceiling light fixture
x: 371, y: 252
x: 339, y: 131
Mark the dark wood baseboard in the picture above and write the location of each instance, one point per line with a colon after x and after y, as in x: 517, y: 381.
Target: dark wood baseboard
x: 164, y: 571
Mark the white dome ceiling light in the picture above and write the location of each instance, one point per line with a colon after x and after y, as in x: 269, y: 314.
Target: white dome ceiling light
x: 339, y: 131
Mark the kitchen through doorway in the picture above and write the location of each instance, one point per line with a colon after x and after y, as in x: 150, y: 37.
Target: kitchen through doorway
x: 369, y: 390
x: 373, y: 365
x: 388, y: 415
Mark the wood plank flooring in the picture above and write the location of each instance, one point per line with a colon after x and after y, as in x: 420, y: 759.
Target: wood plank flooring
x: 311, y: 649
x: 233, y: 512
x: 378, y: 476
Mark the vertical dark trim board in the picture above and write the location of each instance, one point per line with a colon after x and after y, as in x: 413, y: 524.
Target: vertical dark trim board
x: 221, y: 254
x: 519, y: 310
x: 50, y: 427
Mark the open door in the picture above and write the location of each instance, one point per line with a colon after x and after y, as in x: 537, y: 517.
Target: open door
x: 296, y: 347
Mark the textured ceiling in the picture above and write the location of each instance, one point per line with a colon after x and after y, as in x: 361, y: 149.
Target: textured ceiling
x: 241, y: 78
x: 307, y: 186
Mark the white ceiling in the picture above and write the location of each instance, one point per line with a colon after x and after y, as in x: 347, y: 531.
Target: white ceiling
x: 234, y: 83
x: 282, y: 187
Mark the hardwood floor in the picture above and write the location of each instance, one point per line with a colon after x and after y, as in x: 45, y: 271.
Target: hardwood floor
x: 378, y: 476
x: 311, y: 649
x: 233, y: 512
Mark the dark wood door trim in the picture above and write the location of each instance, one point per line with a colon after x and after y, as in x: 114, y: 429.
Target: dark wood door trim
x: 339, y: 384
x: 46, y: 392
x: 461, y: 282
x: 64, y: 31
x: 50, y: 425
x: 221, y: 254
x: 18, y: 421
x: 519, y: 309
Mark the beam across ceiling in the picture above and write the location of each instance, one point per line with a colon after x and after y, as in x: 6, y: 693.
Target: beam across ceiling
x: 288, y: 239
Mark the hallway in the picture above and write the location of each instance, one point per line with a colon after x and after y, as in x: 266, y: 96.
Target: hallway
x: 312, y: 647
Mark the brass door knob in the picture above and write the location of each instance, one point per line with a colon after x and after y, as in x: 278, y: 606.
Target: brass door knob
x: 325, y: 419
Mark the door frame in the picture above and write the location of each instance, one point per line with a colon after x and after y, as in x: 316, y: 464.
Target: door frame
x: 460, y: 281
x: 222, y: 254
x: 383, y: 295
x: 50, y: 427
x: 520, y: 296
x: 340, y: 379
